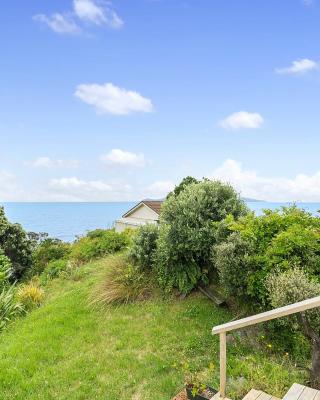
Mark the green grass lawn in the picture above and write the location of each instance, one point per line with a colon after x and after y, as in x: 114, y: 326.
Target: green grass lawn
x: 68, y: 350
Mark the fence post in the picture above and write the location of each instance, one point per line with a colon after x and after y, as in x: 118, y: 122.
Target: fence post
x: 223, y: 364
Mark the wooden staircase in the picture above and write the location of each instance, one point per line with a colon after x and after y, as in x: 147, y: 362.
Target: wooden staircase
x: 296, y: 392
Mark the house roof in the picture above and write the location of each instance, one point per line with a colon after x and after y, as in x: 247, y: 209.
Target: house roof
x: 154, y: 205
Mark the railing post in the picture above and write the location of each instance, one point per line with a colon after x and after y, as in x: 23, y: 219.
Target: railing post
x: 223, y: 364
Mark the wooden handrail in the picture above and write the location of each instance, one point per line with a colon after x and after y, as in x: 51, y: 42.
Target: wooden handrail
x: 253, y: 320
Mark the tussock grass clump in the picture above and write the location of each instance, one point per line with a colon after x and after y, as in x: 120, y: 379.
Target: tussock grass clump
x: 120, y: 283
x: 30, y: 295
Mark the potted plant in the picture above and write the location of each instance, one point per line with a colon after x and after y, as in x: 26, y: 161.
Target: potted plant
x: 195, y: 387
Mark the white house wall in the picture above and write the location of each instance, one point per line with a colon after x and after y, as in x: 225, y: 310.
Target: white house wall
x: 140, y: 216
x: 144, y: 213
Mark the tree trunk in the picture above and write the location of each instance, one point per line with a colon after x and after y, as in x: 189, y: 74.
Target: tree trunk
x: 312, y: 335
x: 315, y: 369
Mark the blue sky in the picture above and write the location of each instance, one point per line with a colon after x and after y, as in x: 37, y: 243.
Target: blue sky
x: 106, y: 101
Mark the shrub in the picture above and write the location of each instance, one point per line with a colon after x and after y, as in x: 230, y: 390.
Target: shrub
x: 120, y: 283
x: 30, y: 295
x: 55, y: 268
x: 144, y: 244
x: 276, y: 240
x: 5, y: 270
x: 9, y: 306
x: 188, y: 180
x: 297, y: 245
x: 15, y: 245
x: 232, y: 260
x: 49, y: 250
x: 188, y: 229
x: 97, y: 244
x: 292, y: 286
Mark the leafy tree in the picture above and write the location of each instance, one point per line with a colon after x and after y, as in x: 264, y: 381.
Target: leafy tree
x: 188, y: 180
x: 49, y: 250
x: 277, y: 239
x: 16, y: 245
x: 232, y: 259
x: 37, y: 238
x: 189, y: 224
x: 292, y: 286
x: 144, y: 243
x: 5, y: 270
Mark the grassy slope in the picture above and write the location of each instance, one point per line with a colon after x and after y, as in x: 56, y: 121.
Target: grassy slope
x: 67, y: 350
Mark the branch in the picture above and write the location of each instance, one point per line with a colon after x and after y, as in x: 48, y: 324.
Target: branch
x: 307, y: 329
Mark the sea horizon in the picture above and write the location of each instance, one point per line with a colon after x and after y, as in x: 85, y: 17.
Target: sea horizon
x: 68, y: 220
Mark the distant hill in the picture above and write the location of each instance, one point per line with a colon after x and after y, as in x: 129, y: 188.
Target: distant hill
x: 252, y: 200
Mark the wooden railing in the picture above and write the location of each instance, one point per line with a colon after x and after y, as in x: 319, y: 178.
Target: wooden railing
x: 253, y: 320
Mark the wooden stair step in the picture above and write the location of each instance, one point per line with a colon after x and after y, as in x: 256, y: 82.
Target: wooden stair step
x: 301, y: 392
x: 259, y: 395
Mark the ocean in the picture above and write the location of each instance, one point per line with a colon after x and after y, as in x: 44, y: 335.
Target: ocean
x: 65, y: 221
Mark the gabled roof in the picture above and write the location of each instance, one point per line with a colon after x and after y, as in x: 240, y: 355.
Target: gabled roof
x: 154, y: 205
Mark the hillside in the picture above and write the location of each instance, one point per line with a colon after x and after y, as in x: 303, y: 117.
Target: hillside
x: 68, y: 350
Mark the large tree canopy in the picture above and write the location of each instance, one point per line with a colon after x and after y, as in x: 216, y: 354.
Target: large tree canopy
x: 189, y: 222
x: 16, y: 245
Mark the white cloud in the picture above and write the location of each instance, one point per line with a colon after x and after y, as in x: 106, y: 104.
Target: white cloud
x: 8, y: 187
x: 110, y: 99
x: 47, y: 162
x: 307, y: 2
x: 89, y: 11
x: 84, y: 11
x: 297, y: 67
x: 118, y: 157
x: 75, y: 183
x: 159, y: 189
x: 59, y: 23
x: 302, y: 187
x: 77, y: 189
x: 242, y: 120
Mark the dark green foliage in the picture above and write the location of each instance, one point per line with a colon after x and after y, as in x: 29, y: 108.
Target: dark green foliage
x: 144, y: 244
x: 97, y: 244
x: 232, y: 260
x: 16, y: 245
x: 5, y: 270
x: 188, y: 180
x: 189, y: 224
x: 37, y: 238
x: 276, y: 240
x: 49, y: 250
x: 292, y: 286
x: 55, y: 268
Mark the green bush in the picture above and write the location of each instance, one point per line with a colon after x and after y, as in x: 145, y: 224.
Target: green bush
x: 233, y: 262
x: 292, y: 286
x: 144, y: 244
x: 10, y: 308
x: 97, y: 244
x: 49, y: 250
x: 276, y: 240
x: 5, y: 270
x: 16, y: 245
x: 297, y: 245
x: 189, y: 223
x: 55, y: 268
x: 188, y: 180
